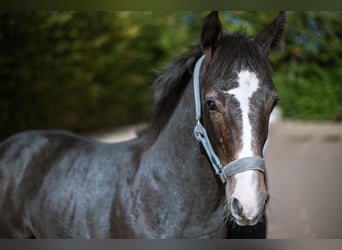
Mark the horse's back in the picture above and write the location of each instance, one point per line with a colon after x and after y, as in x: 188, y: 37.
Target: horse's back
x: 15, y: 155
x: 56, y: 184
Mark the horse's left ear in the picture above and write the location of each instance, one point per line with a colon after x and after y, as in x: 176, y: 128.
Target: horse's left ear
x: 271, y: 38
x: 211, y: 33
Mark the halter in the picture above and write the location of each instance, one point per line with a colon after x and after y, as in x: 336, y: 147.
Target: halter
x: 234, y: 167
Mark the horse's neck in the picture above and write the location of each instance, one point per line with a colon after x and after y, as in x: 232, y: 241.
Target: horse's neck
x: 176, y: 146
x: 175, y: 170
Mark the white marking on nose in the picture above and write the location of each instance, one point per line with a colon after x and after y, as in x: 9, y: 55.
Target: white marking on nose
x: 248, y: 84
x: 246, y: 192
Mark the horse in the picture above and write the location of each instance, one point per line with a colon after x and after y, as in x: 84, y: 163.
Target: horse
x: 197, y: 167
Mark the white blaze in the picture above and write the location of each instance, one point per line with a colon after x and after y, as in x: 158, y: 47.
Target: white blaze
x: 248, y: 84
x: 246, y: 182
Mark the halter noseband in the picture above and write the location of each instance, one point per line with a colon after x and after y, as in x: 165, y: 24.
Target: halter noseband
x: 234, y: 167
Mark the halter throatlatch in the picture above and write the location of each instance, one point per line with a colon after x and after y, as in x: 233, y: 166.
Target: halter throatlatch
x: 234, y: 167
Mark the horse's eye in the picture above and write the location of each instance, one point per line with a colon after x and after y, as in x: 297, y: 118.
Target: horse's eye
x: 211, y: 105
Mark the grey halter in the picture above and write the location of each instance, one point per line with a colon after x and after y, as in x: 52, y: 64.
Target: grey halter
x: 234, y: 167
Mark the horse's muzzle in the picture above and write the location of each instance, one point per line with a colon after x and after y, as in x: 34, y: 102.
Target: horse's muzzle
x: 242, y: 218
x: 248, y: 197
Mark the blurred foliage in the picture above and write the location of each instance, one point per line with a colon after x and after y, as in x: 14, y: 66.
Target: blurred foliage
x: 89, y: 70
x: 309, y: 71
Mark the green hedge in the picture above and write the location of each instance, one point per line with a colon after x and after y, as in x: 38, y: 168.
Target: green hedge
x: 89, y: 70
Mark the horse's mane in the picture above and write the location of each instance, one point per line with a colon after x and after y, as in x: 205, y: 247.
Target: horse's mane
x: 169, y: 88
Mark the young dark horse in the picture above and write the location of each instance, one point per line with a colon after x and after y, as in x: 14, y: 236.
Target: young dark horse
x: 163, y: 184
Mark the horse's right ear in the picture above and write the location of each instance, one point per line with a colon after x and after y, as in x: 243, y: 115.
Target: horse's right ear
x: 211, y: 33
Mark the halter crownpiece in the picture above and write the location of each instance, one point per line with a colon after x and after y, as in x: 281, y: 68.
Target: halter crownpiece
x: 234, y: 167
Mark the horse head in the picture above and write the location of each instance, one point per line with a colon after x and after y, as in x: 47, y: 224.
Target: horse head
x: 236, y: 96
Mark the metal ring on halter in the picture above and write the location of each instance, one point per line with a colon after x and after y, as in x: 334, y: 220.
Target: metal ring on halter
x: 237, y: 166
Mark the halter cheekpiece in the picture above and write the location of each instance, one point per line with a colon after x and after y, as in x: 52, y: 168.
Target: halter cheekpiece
x: 234, y: 167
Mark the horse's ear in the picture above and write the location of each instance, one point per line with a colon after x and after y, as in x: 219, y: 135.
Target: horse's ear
x: 211, y: 32
x: 271, y: 38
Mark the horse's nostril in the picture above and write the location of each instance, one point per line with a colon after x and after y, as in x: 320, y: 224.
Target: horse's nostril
x: 236, y: 207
